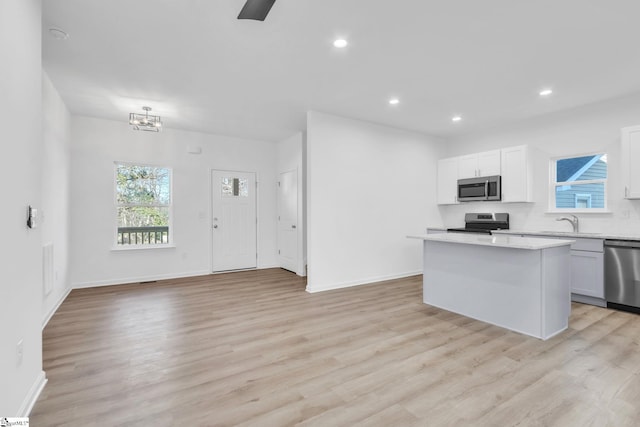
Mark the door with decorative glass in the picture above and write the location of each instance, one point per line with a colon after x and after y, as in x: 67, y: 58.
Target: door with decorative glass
x: 233, y: 220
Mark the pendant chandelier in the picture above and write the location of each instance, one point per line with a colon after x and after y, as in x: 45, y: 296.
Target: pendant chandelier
x: 145, y: 121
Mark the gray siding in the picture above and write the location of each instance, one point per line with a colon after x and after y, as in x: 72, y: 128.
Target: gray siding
x: 597, y: 171
x: 567, y: 198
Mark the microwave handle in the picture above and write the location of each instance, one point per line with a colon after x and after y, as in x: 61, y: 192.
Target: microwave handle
x: 486, y: 189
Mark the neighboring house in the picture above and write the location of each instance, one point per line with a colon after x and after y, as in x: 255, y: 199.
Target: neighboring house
x: 575, y: 170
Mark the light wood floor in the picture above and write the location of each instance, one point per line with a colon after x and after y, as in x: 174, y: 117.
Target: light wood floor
x: 254, y: 349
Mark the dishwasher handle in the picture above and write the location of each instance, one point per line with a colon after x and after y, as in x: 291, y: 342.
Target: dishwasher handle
x: 632, y: 244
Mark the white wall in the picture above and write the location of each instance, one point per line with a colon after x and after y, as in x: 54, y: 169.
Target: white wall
x: 20, y: 255
x: 54, y: 213
x: 368, y: 187
x: 290, y: 157
x: 593, y: 128
x: 97, y: 144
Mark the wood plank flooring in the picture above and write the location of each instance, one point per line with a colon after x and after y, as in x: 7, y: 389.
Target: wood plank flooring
x: 254, y: 349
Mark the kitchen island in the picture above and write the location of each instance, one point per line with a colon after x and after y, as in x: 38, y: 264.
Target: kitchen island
x: 519, y: 283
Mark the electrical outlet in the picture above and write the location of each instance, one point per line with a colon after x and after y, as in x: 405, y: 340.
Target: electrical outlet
x: 19, y: 352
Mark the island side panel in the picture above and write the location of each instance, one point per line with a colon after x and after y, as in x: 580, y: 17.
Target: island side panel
x: 556, y: 290
x: 497, y: 285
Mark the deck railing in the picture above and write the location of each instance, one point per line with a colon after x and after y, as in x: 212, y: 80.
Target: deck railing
x: 143, y: 235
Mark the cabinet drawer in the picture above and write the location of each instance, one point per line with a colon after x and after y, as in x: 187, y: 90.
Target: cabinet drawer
x: 591, y: 245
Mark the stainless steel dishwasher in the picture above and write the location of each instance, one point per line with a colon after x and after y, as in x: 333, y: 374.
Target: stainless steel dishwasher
x: 622, y: 274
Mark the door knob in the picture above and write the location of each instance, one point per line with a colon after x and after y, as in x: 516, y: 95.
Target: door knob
x: 215, y: 226
x: 293, y: 226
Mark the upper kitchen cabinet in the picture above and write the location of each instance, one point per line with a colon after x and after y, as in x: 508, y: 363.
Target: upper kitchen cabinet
x: 447, y: 181
x: 517, y: 172
x: 513, y: 164
x: 630, y: 158
x: 479, y: 164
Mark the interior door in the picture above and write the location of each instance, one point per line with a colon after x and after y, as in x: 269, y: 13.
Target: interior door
x: 288, y: 220
x: 233, y: 220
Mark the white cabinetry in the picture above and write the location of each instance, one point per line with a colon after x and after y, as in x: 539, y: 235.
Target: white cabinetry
x: 587, y: 273
x: 516, y: 174
x: 513, y: 163
x: 587, y: 268
x: 630, y: 157
x: 447, y: 181
x: 480, y: 164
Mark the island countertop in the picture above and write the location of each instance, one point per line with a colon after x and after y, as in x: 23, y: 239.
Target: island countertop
x: 501, y: 241
x: 572, y: 235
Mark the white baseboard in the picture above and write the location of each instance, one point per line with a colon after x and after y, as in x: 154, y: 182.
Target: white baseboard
x: 584, y: 299
x: 34, y: 392
x: 127, y: 280
x: 55, y: 308
x: 301, y: 273
x: 265, y: 266
x: 367, y: 281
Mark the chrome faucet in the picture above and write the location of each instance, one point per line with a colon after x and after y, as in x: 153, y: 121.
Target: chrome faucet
x: 573, y: 220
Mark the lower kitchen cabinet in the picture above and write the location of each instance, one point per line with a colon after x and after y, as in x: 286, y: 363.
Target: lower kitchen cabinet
x: 587, y: 268
x: 587, y: 273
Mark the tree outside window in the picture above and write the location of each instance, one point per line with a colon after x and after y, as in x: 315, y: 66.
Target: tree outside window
x: 143, y: 200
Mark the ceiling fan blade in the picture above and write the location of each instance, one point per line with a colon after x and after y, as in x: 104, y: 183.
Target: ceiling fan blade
x: 256, y: 9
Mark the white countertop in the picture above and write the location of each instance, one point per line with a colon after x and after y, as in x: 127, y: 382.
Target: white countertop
x: 502, y: 241
x: 570, y: 234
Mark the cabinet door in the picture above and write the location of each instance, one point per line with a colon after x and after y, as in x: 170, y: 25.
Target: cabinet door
x: 447, y: 181
x: 489, y: 163
x: 587, y: 273
x: 631, y: 157
x: 516, y: 180
x: 468, y: 166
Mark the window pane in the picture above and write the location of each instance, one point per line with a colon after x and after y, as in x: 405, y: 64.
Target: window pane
x: 143, y: 185
x: 580, y: 196
x: 581, y: 168
x: 143, y: 216
x: 143, y: 225
x: 234, y: 187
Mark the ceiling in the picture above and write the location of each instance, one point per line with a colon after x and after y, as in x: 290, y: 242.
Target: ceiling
x: 201, y: 69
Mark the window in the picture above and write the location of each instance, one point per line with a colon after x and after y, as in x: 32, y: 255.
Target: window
x: 234, y: 187
x: 143, y: 202
x: 579, y: 183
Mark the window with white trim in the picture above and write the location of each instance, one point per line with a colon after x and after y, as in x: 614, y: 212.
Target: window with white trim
x: 579, y: 183
x: 143, y: 204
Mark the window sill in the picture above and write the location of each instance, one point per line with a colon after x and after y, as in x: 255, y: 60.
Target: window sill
x: 140, y: 248
x: 580, y: 211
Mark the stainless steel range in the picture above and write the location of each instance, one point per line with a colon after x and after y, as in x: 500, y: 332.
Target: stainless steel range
x: 483, y: 223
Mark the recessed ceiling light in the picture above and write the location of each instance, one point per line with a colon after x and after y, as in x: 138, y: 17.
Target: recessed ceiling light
x: 58, y: 34
x: 456, y: 118
x: 546, y: 92
x: 394, y: 101
x: 340, y: 43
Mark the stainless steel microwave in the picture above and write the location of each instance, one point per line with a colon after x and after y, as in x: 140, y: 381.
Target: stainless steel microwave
x: 486, y: 188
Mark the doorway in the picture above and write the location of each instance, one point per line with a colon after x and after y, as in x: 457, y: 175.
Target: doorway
x: 288, y: 220
x: 233, y: 220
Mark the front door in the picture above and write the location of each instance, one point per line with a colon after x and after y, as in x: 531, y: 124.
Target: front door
x: 288, y: 220
x: 233, y: 220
